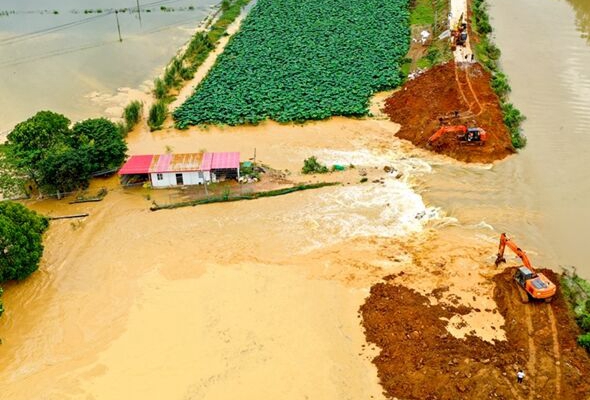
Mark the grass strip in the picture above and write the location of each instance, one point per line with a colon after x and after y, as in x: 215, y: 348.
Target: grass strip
x: 249, y: 196
x: 577, y: 291
x: 183, y: 67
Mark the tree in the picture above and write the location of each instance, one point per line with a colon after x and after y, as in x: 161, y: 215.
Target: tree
x: 31, y: 140
x: 66, y: 170
x: 12, y: 179
x: 101, y: 139
x: 21, y: 244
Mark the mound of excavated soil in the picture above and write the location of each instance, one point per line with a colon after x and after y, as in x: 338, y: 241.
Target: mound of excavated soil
x: 419, y: 359
x: 440, y: 92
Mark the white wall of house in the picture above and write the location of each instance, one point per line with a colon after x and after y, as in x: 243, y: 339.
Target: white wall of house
x: 168, y: 179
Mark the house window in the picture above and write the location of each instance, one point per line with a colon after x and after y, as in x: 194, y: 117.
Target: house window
x: 159, y: 177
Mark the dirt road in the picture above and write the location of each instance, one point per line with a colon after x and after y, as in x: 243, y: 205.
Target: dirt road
x: 440, y: 92
x: 420, y: 359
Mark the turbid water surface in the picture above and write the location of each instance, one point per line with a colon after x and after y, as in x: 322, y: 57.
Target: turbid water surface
x: 541, y: 195
x: 72, y: 62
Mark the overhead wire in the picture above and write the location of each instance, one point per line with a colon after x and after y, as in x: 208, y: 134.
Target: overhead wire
x: 58, y: 52
x: 46, y: 31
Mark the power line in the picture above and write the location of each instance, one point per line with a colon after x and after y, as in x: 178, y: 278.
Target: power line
x: 63, y: 51
x: 43, y: 32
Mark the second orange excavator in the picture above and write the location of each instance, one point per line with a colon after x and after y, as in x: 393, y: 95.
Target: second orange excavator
x: 533, y: 285
x: 467, y: 135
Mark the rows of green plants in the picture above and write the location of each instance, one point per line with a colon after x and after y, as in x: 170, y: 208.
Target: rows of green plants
x: 297, y: 60
x: 489, y: 55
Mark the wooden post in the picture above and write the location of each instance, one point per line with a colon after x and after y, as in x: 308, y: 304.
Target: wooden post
x: 118, y: 26
x: 139, y: 12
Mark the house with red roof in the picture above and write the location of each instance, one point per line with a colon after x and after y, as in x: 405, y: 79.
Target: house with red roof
x: 168, y: 170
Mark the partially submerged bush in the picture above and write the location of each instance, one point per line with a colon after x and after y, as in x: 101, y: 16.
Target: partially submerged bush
x: 132, y: 113
x: 313, y: 166
x: 512, y: 119
x: 158, y: 114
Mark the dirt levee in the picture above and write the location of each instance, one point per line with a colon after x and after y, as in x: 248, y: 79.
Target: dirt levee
x: 439, y: 93
x: 419, y: 359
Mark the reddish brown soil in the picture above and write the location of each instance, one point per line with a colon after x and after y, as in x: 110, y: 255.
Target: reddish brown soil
x: 441, y: 91
x: 419, y: 359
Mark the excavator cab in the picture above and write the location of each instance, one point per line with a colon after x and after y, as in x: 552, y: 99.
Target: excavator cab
x: 522, y: 275
x: 473, y: 136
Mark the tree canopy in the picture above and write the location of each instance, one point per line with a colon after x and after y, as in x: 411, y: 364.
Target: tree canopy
x: 58, y: 158
x: 21, y: 244
x: 102, y: 140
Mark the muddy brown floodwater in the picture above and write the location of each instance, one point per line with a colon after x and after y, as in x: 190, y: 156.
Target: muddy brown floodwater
x: 259, y: 299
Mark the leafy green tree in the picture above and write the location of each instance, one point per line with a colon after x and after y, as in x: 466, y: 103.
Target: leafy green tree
x: 21, y: 244
x: 31, y: 140
x: 101, y: 139
x: 12, y: 179
x: 66, y: 170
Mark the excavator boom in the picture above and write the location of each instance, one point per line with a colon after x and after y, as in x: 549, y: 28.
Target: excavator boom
x: 505, y: 241
x: 446, y: 129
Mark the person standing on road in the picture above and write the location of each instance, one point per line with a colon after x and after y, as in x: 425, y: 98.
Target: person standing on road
x: 520, y: 375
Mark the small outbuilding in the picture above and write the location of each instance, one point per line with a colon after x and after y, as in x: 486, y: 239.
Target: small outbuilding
x: 168, y: 170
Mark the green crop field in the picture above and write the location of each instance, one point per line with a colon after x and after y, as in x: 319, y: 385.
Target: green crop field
x: 296, y: 60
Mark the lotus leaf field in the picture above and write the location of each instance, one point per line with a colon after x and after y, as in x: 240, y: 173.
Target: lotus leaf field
x: 298, y: 60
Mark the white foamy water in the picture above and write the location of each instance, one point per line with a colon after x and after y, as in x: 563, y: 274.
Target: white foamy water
x: 387, y: 208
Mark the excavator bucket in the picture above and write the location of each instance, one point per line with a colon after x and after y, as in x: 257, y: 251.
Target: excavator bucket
x: 499, y: 260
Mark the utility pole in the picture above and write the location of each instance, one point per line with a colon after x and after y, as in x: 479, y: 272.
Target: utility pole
x: 118, y: 26
x: 139, y: 12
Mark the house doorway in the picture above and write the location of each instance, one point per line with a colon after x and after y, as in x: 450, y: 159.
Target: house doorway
x: 179, y: 180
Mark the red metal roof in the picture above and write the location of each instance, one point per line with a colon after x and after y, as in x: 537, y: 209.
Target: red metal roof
x: 137, y: 165
x: 180, y: 162
x: 176, y: 162
x: 225, y: 160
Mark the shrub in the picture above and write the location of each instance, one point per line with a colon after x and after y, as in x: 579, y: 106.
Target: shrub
x: 432, y: 55
x: 160, y: 89
x: 584, y: 341
x: 158, y: 114
x: 500, y: 85
x: 312, y: 166
x: 583, y: 321
x: 512, y: 119
x: 132, y: 113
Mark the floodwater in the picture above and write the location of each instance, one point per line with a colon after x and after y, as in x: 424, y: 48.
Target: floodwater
x: 72, y: 62
x: 259, y: 299
x: 541, y: 195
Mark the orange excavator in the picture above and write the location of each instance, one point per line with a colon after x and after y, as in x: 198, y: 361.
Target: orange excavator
x: 467, y: 135
x: 533, y: 285
x: 459, y: 34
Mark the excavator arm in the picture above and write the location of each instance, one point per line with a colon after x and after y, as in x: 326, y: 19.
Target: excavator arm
x: 446, y: 129
x: 505, y: 241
